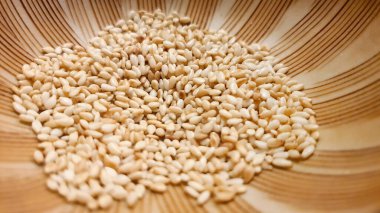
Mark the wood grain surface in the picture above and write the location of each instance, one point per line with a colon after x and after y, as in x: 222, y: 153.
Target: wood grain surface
x: 332, y: 46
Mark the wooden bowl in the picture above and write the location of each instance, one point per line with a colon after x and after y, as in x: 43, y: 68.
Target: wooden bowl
x: 333, y: 47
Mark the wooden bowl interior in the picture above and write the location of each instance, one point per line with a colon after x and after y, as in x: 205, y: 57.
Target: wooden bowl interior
x: 330, y: 46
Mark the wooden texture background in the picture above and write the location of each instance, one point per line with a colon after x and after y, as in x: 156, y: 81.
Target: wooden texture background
x: 331, y: 46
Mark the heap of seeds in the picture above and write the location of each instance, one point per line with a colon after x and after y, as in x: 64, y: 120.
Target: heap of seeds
x: 156, y: 101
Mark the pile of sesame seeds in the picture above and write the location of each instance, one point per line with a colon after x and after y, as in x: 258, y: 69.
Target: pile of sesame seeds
x: 156, y: 101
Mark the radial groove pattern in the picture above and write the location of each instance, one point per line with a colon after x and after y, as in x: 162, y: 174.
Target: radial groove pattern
x: 330, y: 46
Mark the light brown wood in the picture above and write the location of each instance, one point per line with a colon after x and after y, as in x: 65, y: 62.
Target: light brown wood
x: 333, y: 47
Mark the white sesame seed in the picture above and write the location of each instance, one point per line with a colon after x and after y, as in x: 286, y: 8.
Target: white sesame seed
x: 282, y: 162
x: 203, y: 197
x: 19, y: 108
x: 38, y: 157
x: 308, y: 151
x: 105, y: 201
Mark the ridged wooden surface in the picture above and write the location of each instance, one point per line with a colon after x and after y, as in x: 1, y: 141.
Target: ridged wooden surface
x: 332, y: 46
